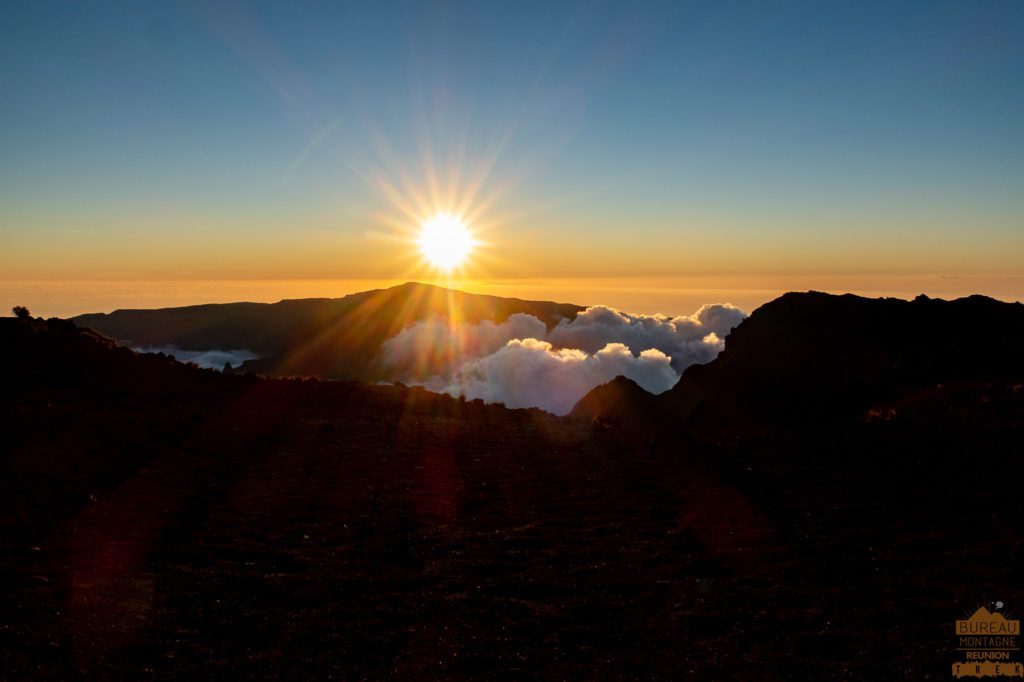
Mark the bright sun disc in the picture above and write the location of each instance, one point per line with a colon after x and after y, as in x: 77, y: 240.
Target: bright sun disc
x: 445, y: 241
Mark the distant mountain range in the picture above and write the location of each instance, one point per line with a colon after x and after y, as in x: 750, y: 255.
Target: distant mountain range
x: 803, y: 355
x: 331, y: 338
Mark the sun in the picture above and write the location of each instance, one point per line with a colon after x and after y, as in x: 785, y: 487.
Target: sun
x: 445, y: 241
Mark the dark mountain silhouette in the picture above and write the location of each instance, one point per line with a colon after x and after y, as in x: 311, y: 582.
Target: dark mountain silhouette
x: 807, y: 356
x: 160, y: 520
x: 620, y: 402
x: 329, y: 338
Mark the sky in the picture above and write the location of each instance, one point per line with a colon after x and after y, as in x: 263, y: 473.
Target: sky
x: 583, y: 141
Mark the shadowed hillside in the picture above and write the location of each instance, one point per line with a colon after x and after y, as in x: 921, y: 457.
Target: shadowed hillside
x: 621, y: 402
x: 161, y: 520
x: 329, y: 338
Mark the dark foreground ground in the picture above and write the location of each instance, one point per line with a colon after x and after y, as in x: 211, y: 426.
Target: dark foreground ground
x: 162, y: 521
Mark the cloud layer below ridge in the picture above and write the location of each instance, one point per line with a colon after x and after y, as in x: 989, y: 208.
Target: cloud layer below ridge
x: 521, y: 363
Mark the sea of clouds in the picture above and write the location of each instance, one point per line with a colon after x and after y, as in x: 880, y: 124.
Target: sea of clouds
x: 213, y: 359
x: 520, y: 363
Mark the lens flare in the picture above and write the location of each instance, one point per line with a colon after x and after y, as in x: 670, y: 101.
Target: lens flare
x: 445, y: 241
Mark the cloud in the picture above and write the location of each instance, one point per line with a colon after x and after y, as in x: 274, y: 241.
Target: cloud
x: 532, y: 373
x: 684, y: 339
x: 435, y: 345
x: 214, y: 359
x: 521, y: 364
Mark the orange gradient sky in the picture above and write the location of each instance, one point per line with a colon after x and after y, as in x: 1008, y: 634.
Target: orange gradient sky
x: 649, y: 295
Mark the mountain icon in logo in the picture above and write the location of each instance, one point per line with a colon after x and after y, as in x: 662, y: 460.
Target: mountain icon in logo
x: 984, y: 622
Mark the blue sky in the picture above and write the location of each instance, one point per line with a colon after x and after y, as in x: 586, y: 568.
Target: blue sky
x: 764, y: 136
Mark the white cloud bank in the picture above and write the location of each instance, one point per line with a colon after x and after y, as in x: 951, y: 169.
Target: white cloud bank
x: 521, y: 364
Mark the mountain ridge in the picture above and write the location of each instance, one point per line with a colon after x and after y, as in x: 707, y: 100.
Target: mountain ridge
x: 336, y: 338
